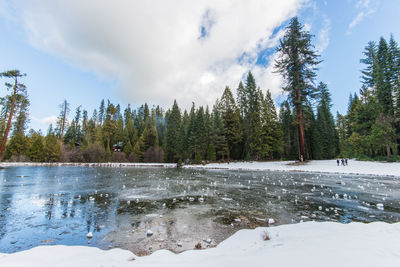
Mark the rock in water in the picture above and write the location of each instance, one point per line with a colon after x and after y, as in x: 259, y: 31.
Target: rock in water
x: 380, y: 206
x: 89, y: 235
x: 149, y: 232
x: 198, y: 246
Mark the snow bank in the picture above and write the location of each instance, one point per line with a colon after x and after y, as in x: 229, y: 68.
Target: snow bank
x: 323, y: 166
x: 328, y: 166
x: 304, y: 244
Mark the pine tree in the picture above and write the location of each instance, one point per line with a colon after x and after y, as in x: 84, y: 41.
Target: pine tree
x: 36, y: 151
x: 271, y: 129
x: 102, y: 112
x: 370, y: 71
x: 297, y: 64
x: 231, y: 118
x: 250, y: 106
x: 383, y: 79
x: 327, y: 141
x: 242, y: 99
x: 61, y: 124
x: 78, y: 129
x: 200, y: 137
x: 139, y: 149
x: 191, y: 133
x: 109, y: 126
x: 52, y: 148
x: 17, y: 89
x: 150, y: 135
x: 362, y: 117
x: 341, y: 126
x: 256, y: 130
x: 286, y: 119
x: 172, y: 143
x: 160, y: 125
x: 383, y: 136
x: 18, y: 144
x: 218, y: 134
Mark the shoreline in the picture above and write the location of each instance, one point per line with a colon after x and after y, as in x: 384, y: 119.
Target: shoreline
x: 358, y: 244
x: 93, y: 164
x: 355, y: 167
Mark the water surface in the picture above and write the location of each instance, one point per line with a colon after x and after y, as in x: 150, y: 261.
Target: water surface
x: 61, y: 204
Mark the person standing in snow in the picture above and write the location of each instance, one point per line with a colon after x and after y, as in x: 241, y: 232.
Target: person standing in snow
x: 346, y: 161
x: 337, y: 161
x: 342, y: 162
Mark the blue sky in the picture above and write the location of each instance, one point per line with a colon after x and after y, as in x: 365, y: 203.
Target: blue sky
x: 85, y: 53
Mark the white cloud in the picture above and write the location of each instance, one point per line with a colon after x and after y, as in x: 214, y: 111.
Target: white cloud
x: 365, y: 9
x: 323, y: 35
x: 49, y: 120
x: 156, y: 49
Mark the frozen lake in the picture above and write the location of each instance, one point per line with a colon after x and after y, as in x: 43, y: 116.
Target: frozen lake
x: 60, y: 205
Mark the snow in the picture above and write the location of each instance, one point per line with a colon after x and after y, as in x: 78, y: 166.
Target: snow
x: 149, y: 233
x: 380, y: 206
x: 304, y: 244
x: 322, y: 166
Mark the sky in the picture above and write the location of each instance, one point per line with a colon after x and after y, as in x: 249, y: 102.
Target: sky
x: 132, y: 52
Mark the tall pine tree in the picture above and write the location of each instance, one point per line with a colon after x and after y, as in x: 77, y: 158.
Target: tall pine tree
x: 297, y: 63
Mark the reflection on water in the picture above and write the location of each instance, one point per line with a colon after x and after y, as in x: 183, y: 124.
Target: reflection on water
x: 60, y: 205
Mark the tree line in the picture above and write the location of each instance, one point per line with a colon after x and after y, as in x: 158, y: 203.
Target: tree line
x: 245, y: 126
x: 371, y: 127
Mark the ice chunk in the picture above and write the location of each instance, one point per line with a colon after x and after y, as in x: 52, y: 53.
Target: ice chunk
x: 149, y: 233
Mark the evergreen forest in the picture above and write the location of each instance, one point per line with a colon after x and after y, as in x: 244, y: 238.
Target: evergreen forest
x: 241, y: 126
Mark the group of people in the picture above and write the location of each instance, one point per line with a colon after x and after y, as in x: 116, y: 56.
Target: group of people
x: 343, y: 161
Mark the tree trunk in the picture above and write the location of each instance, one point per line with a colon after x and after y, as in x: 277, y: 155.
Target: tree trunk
x: 300, y: 126
x: 389, y: 154
x: 5, y: 136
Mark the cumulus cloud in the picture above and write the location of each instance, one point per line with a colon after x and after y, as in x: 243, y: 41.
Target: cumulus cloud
x: 159, y: 51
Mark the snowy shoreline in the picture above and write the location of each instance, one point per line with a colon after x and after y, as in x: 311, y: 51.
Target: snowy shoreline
x: 303, y: 244
x: 317, y: 166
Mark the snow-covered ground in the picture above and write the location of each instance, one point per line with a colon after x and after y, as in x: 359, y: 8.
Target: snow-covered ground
x: 329, y: 166
x: 304, y: 244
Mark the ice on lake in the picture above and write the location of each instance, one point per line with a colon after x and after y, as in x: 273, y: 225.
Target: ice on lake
x: 118, y: 206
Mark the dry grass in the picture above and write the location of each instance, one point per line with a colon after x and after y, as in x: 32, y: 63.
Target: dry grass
x: 298, y: 163
x: 142, y: 253
x: 266, y: 236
